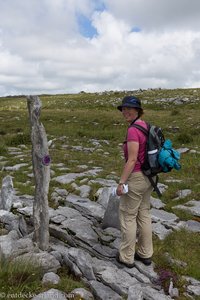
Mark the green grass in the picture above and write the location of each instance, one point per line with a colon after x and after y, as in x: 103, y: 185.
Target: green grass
x: 19, y: 278
x: 79, y: 119
x: 181, y: 245
x: 24, y: 280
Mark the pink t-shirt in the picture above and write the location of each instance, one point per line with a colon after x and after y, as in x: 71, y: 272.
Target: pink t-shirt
x: 136, y: 135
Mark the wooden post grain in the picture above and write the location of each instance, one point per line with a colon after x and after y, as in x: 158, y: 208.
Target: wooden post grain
x: 41, y: 170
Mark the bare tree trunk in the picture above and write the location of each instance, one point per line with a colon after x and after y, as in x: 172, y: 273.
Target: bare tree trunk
x: 41, y: 170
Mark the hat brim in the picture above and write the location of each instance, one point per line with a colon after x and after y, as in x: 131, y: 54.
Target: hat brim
x: 128, y: 105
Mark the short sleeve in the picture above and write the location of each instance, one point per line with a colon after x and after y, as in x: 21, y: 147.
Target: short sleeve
x: 132, y: 135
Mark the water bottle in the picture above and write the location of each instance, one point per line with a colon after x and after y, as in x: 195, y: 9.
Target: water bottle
x: 153, y: 158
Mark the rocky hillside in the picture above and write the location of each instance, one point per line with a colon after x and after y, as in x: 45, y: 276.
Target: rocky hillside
x: 85, y: 133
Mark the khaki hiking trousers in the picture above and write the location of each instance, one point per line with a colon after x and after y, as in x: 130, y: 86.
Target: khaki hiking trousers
x: 135, y: 217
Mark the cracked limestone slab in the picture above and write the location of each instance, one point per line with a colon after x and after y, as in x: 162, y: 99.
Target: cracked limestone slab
x: 83, y: 260
x: 163, y: 216
x: 193, y: 206
x: 15, y: 167
x: 147, y: 270
x: 103, y: 292
x: 68, y: 178
x: 160, y: 230
x: 117, y: 279
x: 87, y: 206
x: 81, y: 228
x: 156, y: 203
x: 138, y: 292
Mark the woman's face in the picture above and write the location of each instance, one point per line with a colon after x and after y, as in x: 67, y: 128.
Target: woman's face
x: 129, y: 113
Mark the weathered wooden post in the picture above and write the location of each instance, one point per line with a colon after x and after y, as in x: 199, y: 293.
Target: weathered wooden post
x: 41, y: 170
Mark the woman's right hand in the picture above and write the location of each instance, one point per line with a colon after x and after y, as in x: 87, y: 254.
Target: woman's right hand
x: 119, y: 191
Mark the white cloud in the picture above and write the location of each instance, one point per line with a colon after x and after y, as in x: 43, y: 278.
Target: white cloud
x: 42, y: 50
x: 158, y: 15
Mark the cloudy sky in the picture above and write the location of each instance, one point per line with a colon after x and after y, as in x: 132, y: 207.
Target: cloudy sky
x: 68, y: 46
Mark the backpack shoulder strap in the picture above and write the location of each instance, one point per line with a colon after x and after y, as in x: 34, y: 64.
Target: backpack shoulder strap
x: 141, y: 128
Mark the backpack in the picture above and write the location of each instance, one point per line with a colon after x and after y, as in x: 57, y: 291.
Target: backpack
x: 159, y: 154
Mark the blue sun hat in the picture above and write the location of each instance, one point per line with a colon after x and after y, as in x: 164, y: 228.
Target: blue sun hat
x: 130, y: 101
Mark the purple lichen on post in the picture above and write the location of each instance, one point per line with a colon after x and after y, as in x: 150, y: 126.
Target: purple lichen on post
x: 46, y: 160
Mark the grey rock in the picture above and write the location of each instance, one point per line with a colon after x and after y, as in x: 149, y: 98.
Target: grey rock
x: 148, y: 271
x: 52, y: 294
x: 135, y: 293
x: 192, y: 226
x: 74, y: 186
x: 50, y: 277
x: 86, y: 206
x: 23, y: 245
x: 134, y: 272
x: 112, y: 210
x: 65, y: 179
x: 80, y: 148
x: 113, y: 232
x: 104, y: 196
x: 82, y: 167
x: 163, y: 216
x: 22, y: 226
x: 84, y: 262
x: 117, y: 279
x: 151, y: 294
x: 104, y: 250
x: 162, y: 187
x: 68, y: 178
x: 174, y: 262
x: 81, y: 228
x: 55, y: 198
x: 183, y: 193
x: 191, y: 280
x: 57, y: 255
x: 183, y: 150
x: 116, y: 243
x: 157, y: 203
x: 13, y: 222
x: 25, y: 200
x: 7, y: 193
x: 27, y: 211
x: 192, y: 206
x: 103, y: 292
x: 83, y: 181
x: 7, y: 243
x: 100, y: 265
x: 66, y: 212
x: 58, y: 219
x: 11, y: 149
x: 83, y: 293
x: 173, y: 180
x: 46, y: 261
x: 61, y: 192
x: 84, y: 191
x: 194, y: 290
x: 12, y: 246
x: 160, y: 230
x: 61, y: 234
x: 15, y: 167
x: 104, y: 182
x: 72, y: 266
x: 174, y: 293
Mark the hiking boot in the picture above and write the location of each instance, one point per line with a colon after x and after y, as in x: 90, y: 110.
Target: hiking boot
x: 124, y: 263
x: 145, y: 261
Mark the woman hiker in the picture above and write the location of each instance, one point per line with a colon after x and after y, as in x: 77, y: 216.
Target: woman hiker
x: 134, y: 209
